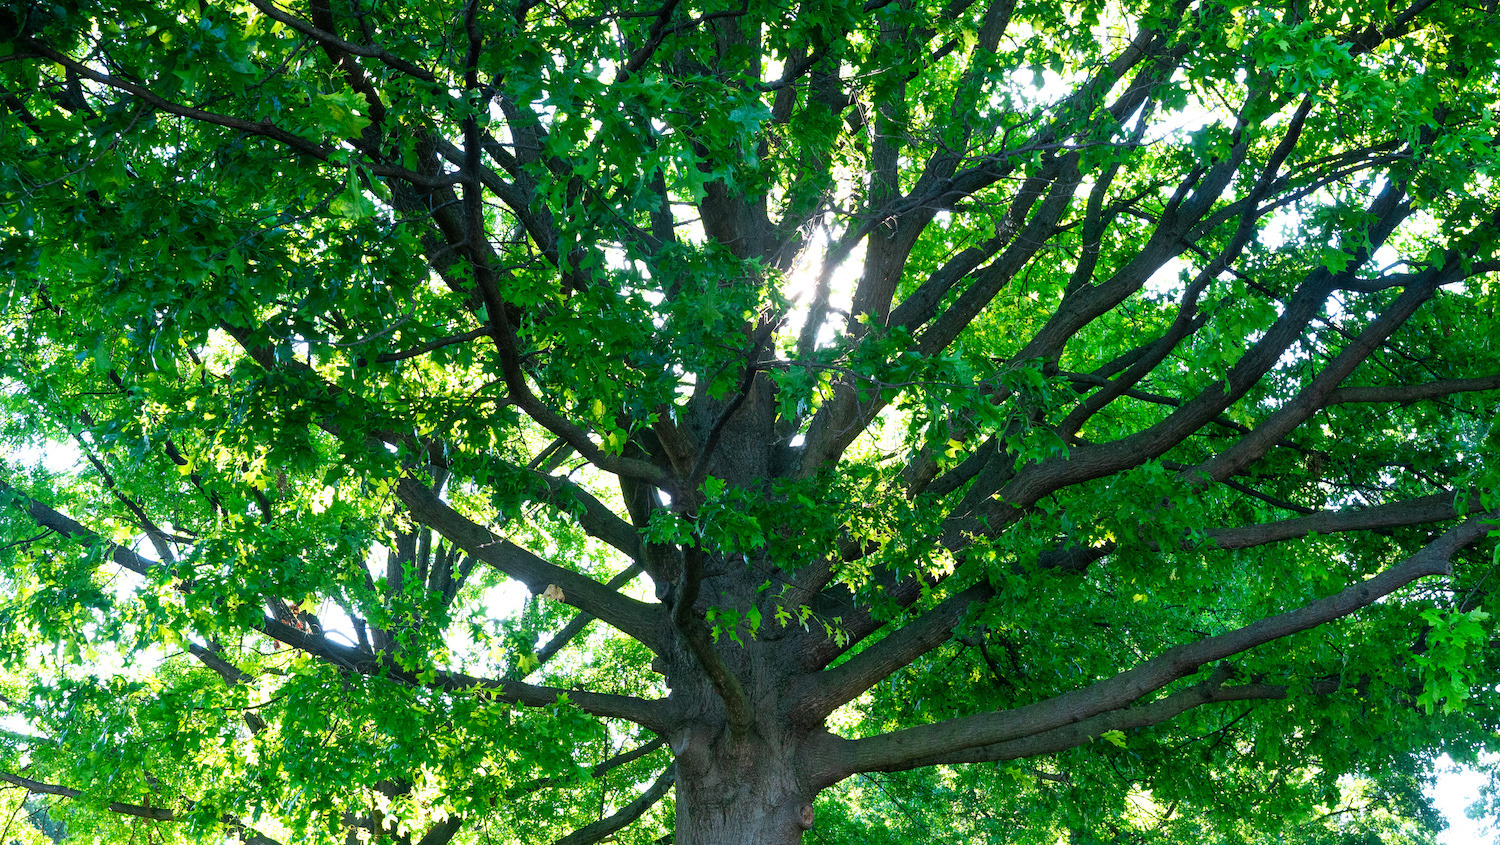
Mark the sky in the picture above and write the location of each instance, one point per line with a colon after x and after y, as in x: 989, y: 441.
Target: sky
x: 1456, y: 789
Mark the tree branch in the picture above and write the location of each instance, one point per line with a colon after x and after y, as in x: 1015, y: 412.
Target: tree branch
x: 1316, y: 393
x: 828, y: 690
x: 642, y: 621
x: 263, y: 128
x: 329, y: 39
x: 1427, y: 509
x: 231, y: 674
x: 658, y: 32
x: 608, y: 825
x: 1088, y: 730
x: 1094, y: 461
x: 836, y: 425
x: 431, y: 345
x: 576, y: 625
x: 1408, y: 393
x: 66, y: 526
x: 160, y: 814
x: 648, y: 713
x: 538, y: 571
x: 738, y: 712
x: 1420, y: 511
x: 903, y: 748
x: 443, y: 832
x: 597, y: 771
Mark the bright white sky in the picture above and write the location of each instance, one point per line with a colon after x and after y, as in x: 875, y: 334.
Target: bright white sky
x: 1456, y: 789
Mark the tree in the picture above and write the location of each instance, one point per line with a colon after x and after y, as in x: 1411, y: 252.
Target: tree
x: 1090, y: 397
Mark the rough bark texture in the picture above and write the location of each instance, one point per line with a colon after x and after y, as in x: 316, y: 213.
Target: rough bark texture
x: 740, y: 790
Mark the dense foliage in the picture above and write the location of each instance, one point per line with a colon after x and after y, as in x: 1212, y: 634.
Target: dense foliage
x: 720, y: 422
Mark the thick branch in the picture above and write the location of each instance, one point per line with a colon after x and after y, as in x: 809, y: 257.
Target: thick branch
x: 694, y: 630
x: 642, y: 621
x: 901, y: 749
x: 66, y: 526
x: 526, y: 399
x: 1095, y: 461
x: 599, y: 770
x: 836, y: 425
x: 231, y: 674
x: 597, y: 520
x: 834, y: 687
x: 1315, y: 395
x: 330, y: 40
x: 443, y: 832
x: 1420, y: 511
x: 658, y: 32
x: 153, y: 532
x: 497, y: 552
x: 160, y: 814
x: 1406, y: 393
x: 1427, y: 509
x: 1088, y: 730
x: 576, y: 625
x: 431, y: 345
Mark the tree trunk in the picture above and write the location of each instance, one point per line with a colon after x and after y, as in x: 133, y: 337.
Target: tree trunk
x: 739, y: 792
x: 756, y: 788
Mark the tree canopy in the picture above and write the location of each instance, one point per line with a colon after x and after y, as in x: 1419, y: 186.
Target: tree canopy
x: 746, y: 422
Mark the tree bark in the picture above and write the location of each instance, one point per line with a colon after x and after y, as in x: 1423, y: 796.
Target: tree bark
x: 748, y: 791
x: 750, y: 784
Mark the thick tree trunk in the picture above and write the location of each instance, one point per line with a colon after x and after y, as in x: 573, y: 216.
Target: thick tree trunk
x: 756, y: 788
x: 744, y: 792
